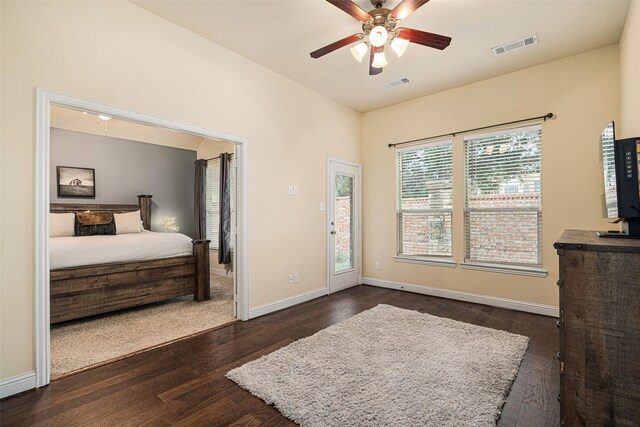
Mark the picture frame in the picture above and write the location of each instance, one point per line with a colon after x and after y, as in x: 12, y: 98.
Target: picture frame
x: 76, y: 182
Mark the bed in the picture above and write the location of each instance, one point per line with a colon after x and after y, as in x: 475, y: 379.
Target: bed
x: 99, y: 274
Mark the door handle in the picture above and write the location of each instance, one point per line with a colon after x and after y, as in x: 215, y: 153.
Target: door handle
x: 333, y: 231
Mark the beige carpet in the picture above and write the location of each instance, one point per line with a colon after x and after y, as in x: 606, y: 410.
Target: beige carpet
x: 389, y: 367
x: 78, y: 344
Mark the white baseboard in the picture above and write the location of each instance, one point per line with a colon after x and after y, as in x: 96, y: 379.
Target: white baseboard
x: 221, y: 272
x: 261, y: 310
x: 545, y: 310
x: 17, y: 384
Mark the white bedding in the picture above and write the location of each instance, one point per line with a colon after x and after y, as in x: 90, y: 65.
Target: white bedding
x: 144, y: 246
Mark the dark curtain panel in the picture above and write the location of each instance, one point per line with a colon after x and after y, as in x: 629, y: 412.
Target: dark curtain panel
x: 201, y: 199
x: 224, y: 236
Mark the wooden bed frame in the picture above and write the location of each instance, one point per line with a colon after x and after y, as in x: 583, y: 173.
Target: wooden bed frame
x: 94, y: 289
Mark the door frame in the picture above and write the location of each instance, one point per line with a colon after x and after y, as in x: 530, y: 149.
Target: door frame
x: 358, y: 237
x: 44, y: 100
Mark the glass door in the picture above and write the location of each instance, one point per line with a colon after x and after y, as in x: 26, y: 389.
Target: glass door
x: 344, y: 225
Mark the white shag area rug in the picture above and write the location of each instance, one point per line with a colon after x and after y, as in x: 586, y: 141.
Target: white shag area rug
x: 389, y: 367
x: 85, y: 342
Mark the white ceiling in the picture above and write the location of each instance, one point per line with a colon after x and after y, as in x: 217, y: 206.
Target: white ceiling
x: 280, y: 34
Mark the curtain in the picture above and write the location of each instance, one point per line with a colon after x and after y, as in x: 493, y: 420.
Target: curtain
x: 224, y: 235
x: 200, y: 198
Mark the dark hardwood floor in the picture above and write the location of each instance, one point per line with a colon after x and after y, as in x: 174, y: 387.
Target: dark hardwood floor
x: 184, y: 383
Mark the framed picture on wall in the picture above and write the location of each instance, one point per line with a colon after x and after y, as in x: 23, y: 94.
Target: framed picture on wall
x: 76, y: 182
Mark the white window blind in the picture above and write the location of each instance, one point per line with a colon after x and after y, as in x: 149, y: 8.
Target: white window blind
x: 213, y: 200
x: 425, y: 199
x: 503, y: 206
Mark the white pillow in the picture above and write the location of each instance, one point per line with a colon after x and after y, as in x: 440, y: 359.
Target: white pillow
x: 128, y: 222
x: 62, y: 224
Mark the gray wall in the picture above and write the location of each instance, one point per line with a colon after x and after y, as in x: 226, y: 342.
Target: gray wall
x: 125, y: 169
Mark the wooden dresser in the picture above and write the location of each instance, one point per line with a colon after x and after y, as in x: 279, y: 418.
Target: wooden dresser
x: 599, y: 330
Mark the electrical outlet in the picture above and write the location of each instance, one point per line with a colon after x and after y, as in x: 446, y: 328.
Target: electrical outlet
x: 296, y: 278
x: 290, y: 278
x: 377, y: 265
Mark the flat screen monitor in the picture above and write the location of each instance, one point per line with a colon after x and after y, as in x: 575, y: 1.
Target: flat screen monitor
x: 621, y: 172
x: 627, y: 174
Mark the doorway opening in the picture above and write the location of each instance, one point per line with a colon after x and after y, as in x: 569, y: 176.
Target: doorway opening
x: 79, y: 307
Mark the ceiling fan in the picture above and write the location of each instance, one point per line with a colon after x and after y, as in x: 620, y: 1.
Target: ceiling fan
x: 380, y: 26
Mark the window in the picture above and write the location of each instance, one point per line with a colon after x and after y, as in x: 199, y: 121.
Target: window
x: 609, y: 163
x: 213, y: 200
x: 425, y: 200
x: 503, y: 206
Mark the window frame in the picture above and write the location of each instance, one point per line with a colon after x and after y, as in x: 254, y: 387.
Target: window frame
x: 427, y: 259
x: 529, y: 269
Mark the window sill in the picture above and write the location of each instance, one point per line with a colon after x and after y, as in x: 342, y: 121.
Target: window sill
x: 432, y: 261
x: 505, y: 269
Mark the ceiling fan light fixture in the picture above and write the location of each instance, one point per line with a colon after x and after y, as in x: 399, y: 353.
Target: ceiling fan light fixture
x: 359, y: 51
x: 379, y: 27
x: 378, y: 36
x: 379, y: 60
x: 399, y: 46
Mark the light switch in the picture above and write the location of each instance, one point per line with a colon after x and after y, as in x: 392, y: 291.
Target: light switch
x: 323, y: 206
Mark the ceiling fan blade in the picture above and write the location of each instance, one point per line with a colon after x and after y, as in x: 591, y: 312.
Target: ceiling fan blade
x: 352, y: 9
x: 435, y: 41
x: 372, y: 70
x: 336, y: 45
x: 406, y: 8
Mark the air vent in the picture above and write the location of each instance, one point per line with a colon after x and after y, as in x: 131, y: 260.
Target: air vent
x: 519, y: 44
x: 402, y: 81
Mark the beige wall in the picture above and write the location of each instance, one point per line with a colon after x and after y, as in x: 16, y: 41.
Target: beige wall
x: 66, y: 118
x: 150, y: 65
x: 3, y: 247
x: 630, y: 75
x: 581, y: 90
x: 120, y: 54
x: 208, y: 149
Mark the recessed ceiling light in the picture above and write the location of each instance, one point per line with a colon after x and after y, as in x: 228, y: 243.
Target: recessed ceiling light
x: 105, y: 118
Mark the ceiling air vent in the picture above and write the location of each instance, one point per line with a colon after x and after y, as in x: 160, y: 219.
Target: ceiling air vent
x: 519, y: 44
x: 402, y: 81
